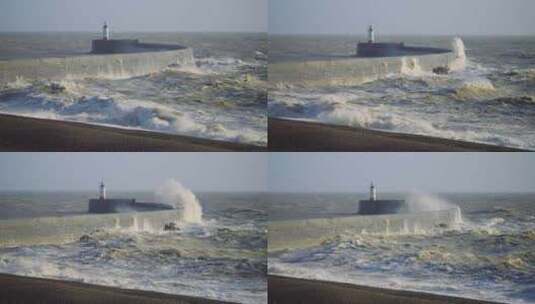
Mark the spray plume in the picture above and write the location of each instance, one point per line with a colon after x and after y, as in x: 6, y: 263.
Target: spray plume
x: 174, y: 193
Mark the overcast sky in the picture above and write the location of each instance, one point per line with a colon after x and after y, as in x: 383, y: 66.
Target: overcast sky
x: 134, y: 15
x: 451, y: 17
x: 402, y: 172
x: 226, y: 172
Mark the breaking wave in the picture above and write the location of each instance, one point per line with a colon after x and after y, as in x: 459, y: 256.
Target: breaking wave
x: 475, y: 89
x: 76, y: 101
x: 379, y: 119
x: 480, y: 261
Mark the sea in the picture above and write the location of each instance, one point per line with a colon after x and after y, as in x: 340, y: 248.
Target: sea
x: 223, y: 98
x: 492, y: 101
x: 223, y: 257
x: 490, y: 256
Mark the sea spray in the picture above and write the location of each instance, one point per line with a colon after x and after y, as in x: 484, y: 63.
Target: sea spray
x: 460, y: 53
x: 410, y: 66
x: 421, y: 202
x: 174, y: 193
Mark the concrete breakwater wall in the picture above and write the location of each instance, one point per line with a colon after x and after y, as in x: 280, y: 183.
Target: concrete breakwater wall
x: 105, y: 66
x: 312, y: 232
x: 58, y: 230
x: 356, y: 70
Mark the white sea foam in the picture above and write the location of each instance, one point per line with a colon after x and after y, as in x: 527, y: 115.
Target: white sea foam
x: 478, y: 88
x: 411, y: 66
x: 126, y: 113
x: 220, y: 65
x: 174, y: 193
x: 358, y: 108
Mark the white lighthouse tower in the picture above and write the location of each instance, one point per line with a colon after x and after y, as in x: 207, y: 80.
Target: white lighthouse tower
x: 371, y: 34
x: 105, y: 32
x: 373, y: 193
x: 102, y: 191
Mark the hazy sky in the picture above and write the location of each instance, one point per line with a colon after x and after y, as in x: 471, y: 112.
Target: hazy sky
x: 282, y: 172
x: 134, y: 15
x: 392, y: 172
x: 132, y: 171
x: 451, y: 17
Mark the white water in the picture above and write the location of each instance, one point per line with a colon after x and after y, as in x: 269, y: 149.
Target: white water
x: 174, y: 193
x: 215, y: 99
x: 469, y: 104
x: 460, y: 52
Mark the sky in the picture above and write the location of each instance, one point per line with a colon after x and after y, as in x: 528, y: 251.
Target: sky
x: 226, y: 172
x: 425, y: 17
x: 402, y: 172
x: 134, y: 15
x: 277, y: 172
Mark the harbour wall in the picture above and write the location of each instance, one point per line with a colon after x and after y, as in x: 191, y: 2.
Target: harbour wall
x: 367, y: 207
x: 58, y: 230
x: 122, y: 205
x: 355, y: 71
x: 294, y: 234
x: 94, y: 65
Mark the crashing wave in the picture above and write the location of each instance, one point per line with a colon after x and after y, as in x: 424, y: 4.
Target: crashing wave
x: 475, y: 89
x: 410, y: 66
x: 460, y: 55
x: 66, y: 100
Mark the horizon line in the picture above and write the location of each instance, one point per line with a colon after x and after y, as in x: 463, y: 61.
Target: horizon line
x: 401, y: 34
x: 131, y: 31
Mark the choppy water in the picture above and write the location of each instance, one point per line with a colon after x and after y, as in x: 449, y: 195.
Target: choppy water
x: 490, y: 257
x: 222, y: 258
x: 492, y: 101
x: 223, y: 98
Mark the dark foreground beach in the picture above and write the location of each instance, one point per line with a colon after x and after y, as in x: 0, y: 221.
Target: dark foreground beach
x: 22, y: 290
x: 283, y: 290
x: 290, y: 135
x: 33, y: 134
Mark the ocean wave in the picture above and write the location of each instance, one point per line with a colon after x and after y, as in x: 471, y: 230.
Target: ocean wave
x: 518, y: 54
x: 39, y: 102
x: 515, y: 100
x: 521, y: 76
x: 220, y: 65
x: 475, y: 89
x: 362, y: 109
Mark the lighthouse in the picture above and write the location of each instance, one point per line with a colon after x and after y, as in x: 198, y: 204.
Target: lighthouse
x: 373, y: 193
x: 371, y: 34
x: 105, y: 32
x: 374, y: 206
x: 102, y: 191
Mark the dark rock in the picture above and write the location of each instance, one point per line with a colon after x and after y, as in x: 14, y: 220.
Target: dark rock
x: 56, y: 88
x: 171, y: 227
x: 442, y: 70
x: 171, y: 252
x: 86, y: 238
